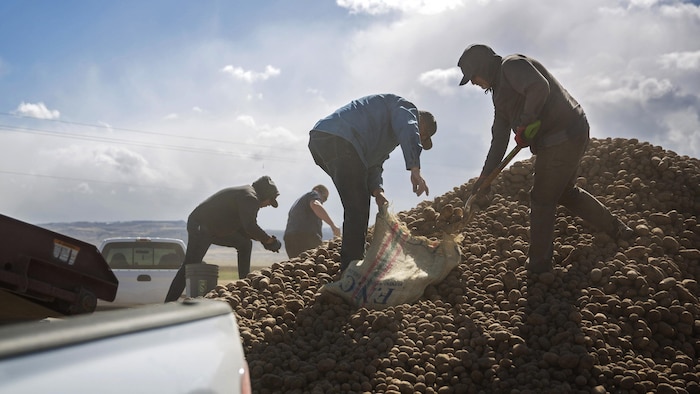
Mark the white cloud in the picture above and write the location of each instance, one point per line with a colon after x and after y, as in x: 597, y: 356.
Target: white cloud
x: 642, y: 85
x: 684, y: 130
x: 638, y: 89
x: 375, y: 7
x: 171, y: 116
x: 652, y: 88
x: 643, y: 3
x: 246, y: 120
x: 441, y: 80
x: 106, y: 125
x: 681, y: 60
x: 84, y: 188
x: 249, y: 75
x: 122, y: 161
x: 265, y: 133
x: 37, y: 110
x: 681, y: 10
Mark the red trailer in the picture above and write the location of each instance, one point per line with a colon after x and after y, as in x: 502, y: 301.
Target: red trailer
x: 53, y: 270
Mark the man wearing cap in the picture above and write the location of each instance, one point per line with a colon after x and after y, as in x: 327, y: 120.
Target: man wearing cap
x: 527, y: 96
x: 351, y: 146
x: 228, y: 218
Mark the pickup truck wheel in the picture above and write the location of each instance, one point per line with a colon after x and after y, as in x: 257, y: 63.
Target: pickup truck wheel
x: 86, y: 302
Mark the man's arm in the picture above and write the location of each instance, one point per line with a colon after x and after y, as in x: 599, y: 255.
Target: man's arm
x: 322, y: 214
x: 500, y: 134
x: 405, y: 125
x: 248, y: 214
x: 374, y: 177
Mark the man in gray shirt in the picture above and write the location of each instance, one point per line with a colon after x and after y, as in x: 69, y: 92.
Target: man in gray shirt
x: 304, y: 223
x: 524, y: 92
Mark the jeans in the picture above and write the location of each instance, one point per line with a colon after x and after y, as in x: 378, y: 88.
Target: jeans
x: 198, y: 242
x: 556, y: 169
x: 296, y: 243
x: 339, y: 159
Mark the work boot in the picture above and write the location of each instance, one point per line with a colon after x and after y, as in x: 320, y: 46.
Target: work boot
x: 538, y: 267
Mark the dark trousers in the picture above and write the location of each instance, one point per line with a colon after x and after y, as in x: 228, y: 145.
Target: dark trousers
x: 556, y: 169
x: 339, y: 159
x: 198, y: 242
x: 296, y: 243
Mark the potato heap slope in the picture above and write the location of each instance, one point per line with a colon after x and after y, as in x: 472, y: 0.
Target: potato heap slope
x: 611, y: 317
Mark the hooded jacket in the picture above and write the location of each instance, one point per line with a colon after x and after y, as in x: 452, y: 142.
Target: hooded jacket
x: 523, y: 91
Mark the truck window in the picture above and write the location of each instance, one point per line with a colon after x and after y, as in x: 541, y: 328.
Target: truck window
x: 140, y: 255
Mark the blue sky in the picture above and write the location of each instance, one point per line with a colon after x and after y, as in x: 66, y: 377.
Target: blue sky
x: 139, y: 110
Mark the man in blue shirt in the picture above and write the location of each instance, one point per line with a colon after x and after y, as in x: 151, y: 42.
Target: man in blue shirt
x: 352, y: 144
x: 304, y: 223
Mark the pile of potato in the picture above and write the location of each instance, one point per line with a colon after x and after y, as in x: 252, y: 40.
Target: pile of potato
x: 611, y: 317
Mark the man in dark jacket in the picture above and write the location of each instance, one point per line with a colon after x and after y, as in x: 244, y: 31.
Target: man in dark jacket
x: 352, y: 144
x: 304, y: 223
x: 524, y: 92
x: 228, y: 218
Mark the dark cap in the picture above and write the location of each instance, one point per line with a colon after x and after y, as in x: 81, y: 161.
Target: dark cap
x: 472, y: 57
x: 266, y: 189
x: 426, y: 119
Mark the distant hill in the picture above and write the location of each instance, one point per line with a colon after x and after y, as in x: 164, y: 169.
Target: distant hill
x: 95, y: 232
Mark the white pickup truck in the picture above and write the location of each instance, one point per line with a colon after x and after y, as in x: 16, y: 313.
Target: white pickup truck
x: 180, y: 347
x: 145, y: 267
x: 53, y: 341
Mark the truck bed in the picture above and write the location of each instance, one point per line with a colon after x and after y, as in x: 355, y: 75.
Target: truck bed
x: 193, y: 346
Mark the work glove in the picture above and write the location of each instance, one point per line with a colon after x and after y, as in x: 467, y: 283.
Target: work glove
x: 520, y: 137
x: 481, y: 197
x: 273, y: 246
x: 525, y: 134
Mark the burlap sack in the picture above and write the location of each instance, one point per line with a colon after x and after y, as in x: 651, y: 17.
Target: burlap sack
x: 397, y: 266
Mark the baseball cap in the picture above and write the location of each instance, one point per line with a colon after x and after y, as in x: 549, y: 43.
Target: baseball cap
x: 266, y: 189
x: 472, y: 56
x: 427, y: 143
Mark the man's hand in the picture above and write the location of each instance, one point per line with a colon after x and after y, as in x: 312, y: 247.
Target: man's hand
x: 273, y: 244
x: 336, y: 231
x: 483, y: 200
x: 379, y: 197
x: 419, y: 185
